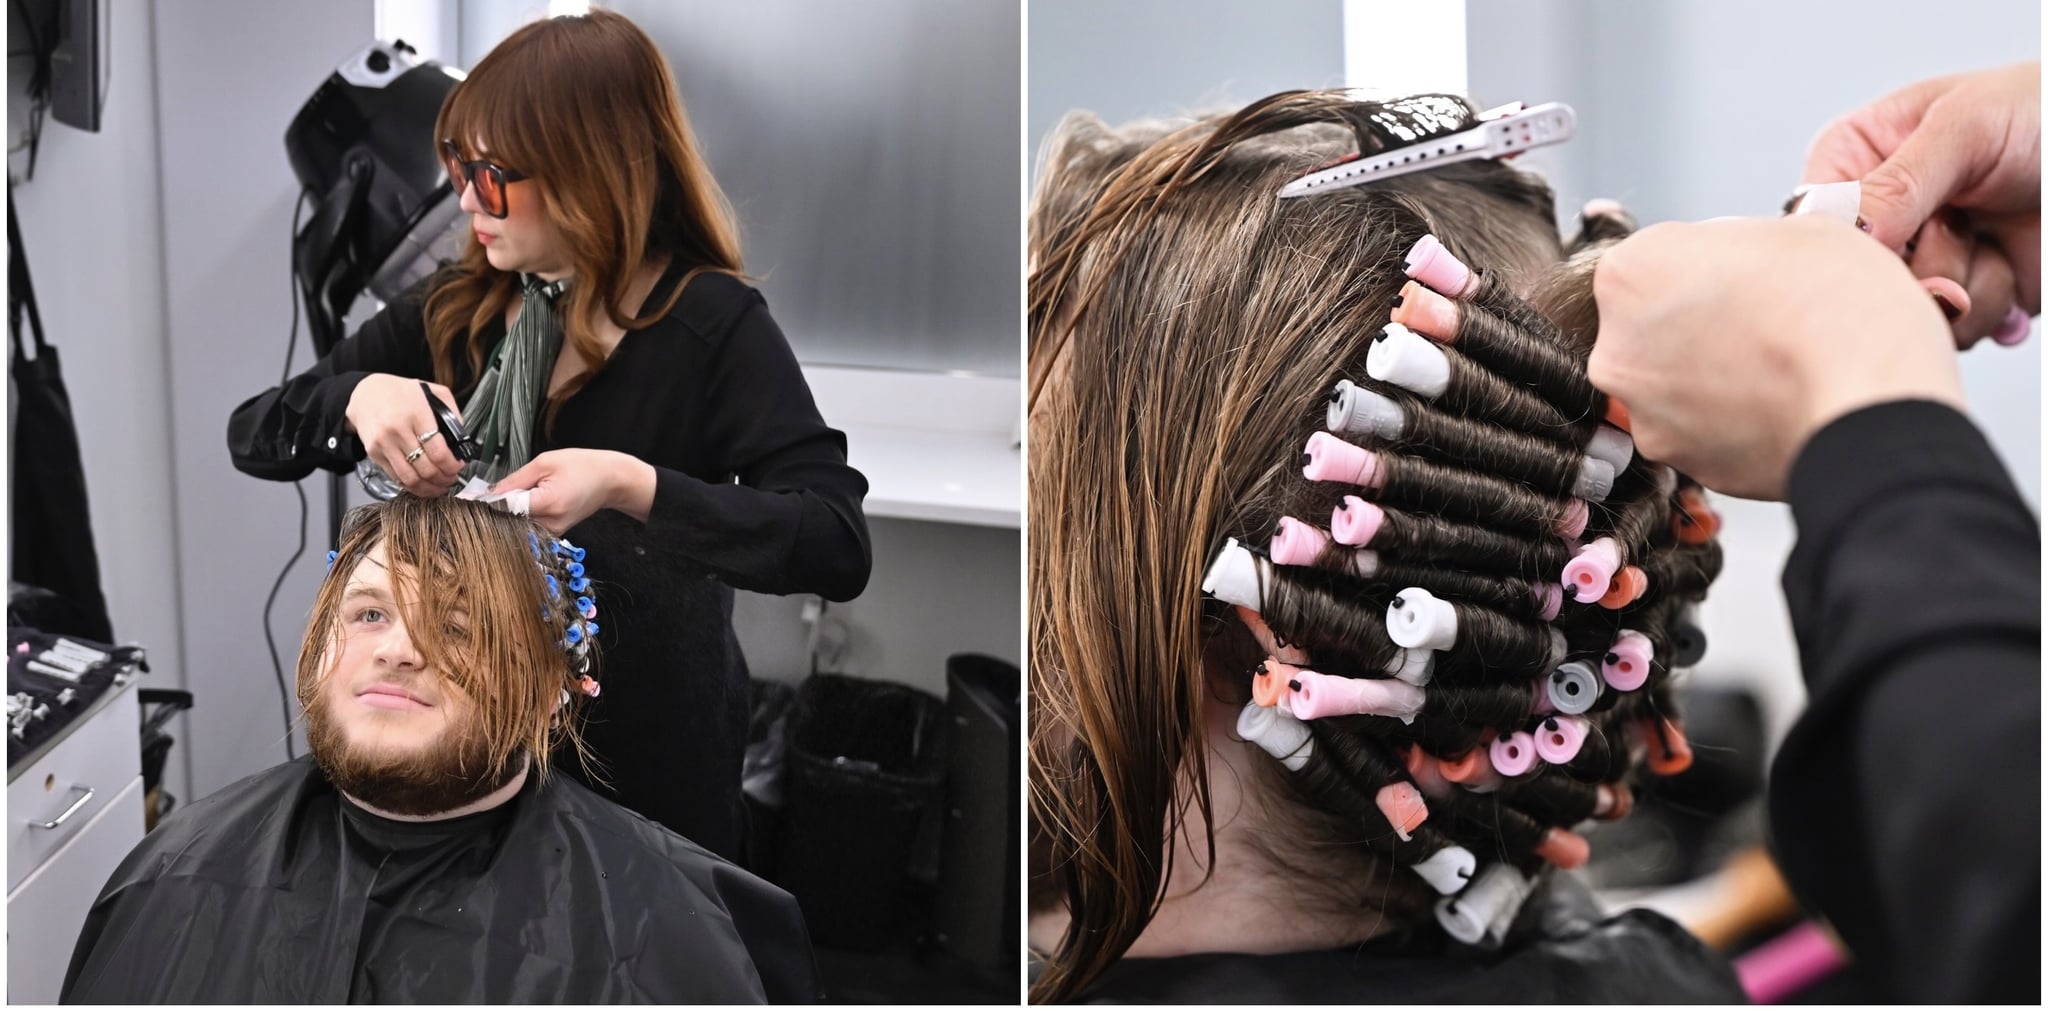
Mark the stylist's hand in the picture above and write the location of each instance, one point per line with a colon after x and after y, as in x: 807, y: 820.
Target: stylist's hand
x: 1732, y: 342
x: 565, y: 486
x: 390, y: 415
x: 1951, y: 172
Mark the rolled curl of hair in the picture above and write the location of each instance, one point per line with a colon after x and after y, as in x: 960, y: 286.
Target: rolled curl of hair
x: 1418, y: 485
x: 1526, y: 345
x: 1341, y: 628
x: 1426, y: 537
x: 1343, y: 776
x: 1552, y: 799
x: 1492, y: 648
x: 1475, y: 392
x: 1450, y: 439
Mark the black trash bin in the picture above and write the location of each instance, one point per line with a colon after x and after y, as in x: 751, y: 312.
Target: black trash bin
x: 865, y: 760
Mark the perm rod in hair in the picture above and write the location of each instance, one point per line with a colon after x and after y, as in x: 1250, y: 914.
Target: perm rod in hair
x: 1628, y: 586
x: 1588, y: 577
x: 1479, y: 706
x: 1400, y: 357
x: 1473, y: 638
x: 1458, y: 494
x: 1402, y: 804
x: 1310, y: 617
x: 1430, y: 263
x: 1553, y: 799
x: 1614, y: 801
x: 1498, y: 345
x: 1481, y: 914
x: 1447, y: 438
x: 1312, y: 695
x: 1688, y: 640
x: 1345, y: 772
x: 1304, y: 544
x: 1513, y: 754
x: 1668, y: 752
x: 1472, y: 770
x: 1693, y: 521
x: 1612, y: 446
x: 1591, y: 758
x: 1627, y: 664
x: 1422, y: 768
x: 1278, y: 733
x: 1358, y: 523
x: 1572, y: 688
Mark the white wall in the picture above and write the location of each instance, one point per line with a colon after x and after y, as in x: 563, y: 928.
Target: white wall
x: 1691, y: 110
x: 91, y: 223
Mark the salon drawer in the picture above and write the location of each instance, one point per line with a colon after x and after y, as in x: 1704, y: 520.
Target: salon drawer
x: 47, y: 911
x: 101, y: 754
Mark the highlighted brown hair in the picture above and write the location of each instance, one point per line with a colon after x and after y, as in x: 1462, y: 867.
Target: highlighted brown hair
x: 450, y: 556
x: 585, y: 106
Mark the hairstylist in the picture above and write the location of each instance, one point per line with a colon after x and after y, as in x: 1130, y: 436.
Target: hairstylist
x: 1798, y: 359
x: 599, y: 343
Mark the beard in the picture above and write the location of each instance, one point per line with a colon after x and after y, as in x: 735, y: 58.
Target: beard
x: 455, y: 770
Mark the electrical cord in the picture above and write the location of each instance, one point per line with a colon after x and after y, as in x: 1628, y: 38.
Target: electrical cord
x: 284, y: 697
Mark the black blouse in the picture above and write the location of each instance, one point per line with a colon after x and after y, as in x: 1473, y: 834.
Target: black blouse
x: 752, y: 492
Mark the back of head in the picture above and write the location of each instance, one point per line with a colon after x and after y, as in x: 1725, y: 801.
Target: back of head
x: 1185, y: 328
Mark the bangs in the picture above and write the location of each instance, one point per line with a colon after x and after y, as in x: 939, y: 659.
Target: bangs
x: 496, y: 117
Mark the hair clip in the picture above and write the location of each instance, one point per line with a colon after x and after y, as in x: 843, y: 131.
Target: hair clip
x: 1513, y: 754
x: 1564, y: 849
x: 1355, y: 410
x: 1628, y: 586
x: 1399, y: 357
x: 1502, y: 136
x: 1329, y: 458
x: 1483, y: 912
x: 1276, y: 730
x: 1419, y: 619
x: 1403, y: 806
x: 1588, y: 575
x: 1299, y: 543
x: 1448, y: 870
x: 331, y: 556
x: 1572, y: 688
x: 1627, y: 663
x: 1559, y: 738
x: 1316, y: 695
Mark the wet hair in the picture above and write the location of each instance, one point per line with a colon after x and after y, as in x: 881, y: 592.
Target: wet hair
x: 475, y: 596
x: 585, y: 105
x: 1185, y: 329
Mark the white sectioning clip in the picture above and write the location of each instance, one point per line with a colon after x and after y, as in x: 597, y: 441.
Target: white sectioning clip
x: 1511, y: 134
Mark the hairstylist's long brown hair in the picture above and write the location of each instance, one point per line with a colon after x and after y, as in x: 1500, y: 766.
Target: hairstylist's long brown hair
x: 586, y: 106
x: 1183, y: 321
x: 449, y: 556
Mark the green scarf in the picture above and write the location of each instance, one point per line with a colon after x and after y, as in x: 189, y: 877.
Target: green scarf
x: 501, y: 411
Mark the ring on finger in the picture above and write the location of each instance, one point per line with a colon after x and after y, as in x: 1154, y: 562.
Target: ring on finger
x: 429, y: 435
x: 415, y: 454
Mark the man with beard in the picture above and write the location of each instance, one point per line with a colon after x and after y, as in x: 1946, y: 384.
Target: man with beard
x: 422, y: 853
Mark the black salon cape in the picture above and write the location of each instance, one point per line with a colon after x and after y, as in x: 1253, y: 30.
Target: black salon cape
x: 1561, y: 951
x: 1906, y: 803
x: 278, y: 890
x: 752, y: 492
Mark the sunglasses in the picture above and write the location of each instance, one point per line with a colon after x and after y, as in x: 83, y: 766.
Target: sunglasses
x: 488, y: 180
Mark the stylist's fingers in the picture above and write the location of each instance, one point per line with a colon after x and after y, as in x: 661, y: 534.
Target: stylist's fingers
x: 1945, y: 154
x: 1993, y: 295
x: 1941, y: 251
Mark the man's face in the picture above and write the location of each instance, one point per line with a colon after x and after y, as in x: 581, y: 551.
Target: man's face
x: 384, y: 725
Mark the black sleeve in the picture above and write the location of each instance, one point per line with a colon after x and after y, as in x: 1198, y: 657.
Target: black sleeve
x: 793, y: 523
x: 285, y: 432
x: 1906, y: 804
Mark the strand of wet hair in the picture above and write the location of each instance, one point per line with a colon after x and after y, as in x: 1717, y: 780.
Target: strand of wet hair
x: 1552, y: 799
x: 1456, y: 717
x: 1296, y: 543
x: 1406, y: 423
x: 1474, y: 645
x: 1342, y: 777
x: 1683, y: 572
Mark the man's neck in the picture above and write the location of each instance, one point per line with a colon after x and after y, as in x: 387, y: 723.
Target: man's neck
x: 486, y: 802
